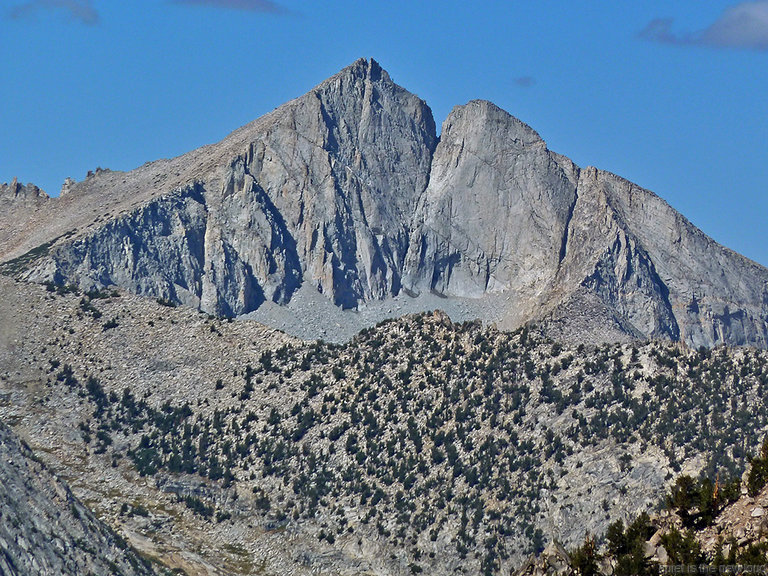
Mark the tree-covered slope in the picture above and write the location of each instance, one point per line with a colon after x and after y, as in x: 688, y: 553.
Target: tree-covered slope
x: 420, y: 444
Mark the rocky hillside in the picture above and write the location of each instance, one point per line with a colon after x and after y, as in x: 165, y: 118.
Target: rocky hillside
x: 707, y: 526
x: 348, y: 192
x: 421, y: 445
x: 45, y: 530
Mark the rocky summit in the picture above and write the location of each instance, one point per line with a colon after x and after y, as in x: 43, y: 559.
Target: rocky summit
x: 349, y: 193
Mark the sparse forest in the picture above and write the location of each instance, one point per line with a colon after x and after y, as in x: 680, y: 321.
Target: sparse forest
x: 428, y: 432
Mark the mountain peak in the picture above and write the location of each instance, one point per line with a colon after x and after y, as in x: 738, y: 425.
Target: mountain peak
x: 366, y: 68
x: 476, y: 115
x: 347, y: 192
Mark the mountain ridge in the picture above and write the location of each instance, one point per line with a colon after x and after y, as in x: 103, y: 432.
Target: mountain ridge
x: 348, y: 191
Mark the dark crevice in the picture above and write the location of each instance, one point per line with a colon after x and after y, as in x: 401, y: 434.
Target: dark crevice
x: 285, y: 240
x: 673, y: 328
x: 564, y: 243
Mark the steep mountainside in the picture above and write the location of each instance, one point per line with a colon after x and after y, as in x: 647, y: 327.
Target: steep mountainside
x: 647, y: 262
x: 495, y: 214
x: 321, y: 189
x: 348, y: 192
x: 420, y: 445
x: 45, y: 530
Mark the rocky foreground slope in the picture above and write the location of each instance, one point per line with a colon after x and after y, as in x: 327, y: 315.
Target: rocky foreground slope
x: 706, y: 526
x: 225, y: 447
x: 348, y: 192
x: 45, y: 530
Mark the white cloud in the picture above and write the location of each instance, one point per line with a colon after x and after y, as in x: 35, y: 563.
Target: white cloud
x: 743, y: 26
x: 81, y: 10
x: 248, y: 5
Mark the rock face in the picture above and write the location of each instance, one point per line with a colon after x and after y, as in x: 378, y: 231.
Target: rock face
x: 347, y: 190
x: 337, y: 177
x: 45, y: 530
x: 495, y: 214
x: 667, y: 278
x: 321, y: 192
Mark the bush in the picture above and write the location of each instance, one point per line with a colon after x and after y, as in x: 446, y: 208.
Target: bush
x: 198, y: 506
x: 584, y: 559
x: 683, y: 497
x: 682, y: 548
x: 626, y: 547
x: 758, y: 474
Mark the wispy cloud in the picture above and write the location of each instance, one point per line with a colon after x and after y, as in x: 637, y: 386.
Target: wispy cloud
x: 743, y: 26
x: 525, y: 81
x: 81, y: 10
x: 266, y: 6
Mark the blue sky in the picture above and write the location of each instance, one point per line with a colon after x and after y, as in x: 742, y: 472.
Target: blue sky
x: 669, y: 95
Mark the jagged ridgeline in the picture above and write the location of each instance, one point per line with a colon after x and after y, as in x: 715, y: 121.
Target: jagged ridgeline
x: 421, y: 443
x: 346, y: 195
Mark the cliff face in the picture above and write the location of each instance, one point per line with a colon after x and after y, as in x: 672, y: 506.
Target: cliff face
x: 504, y: 214
x: 341, y: 169
x: 347, y: 191
x: 494, y: 215
x: 643, y: 259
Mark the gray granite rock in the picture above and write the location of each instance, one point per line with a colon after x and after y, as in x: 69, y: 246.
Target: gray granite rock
x: 45, y: 530
x: 660, y: 272
x: 346, y: 191
x: 496, y: 210
x: 17, y: 194
x: 322, y: 192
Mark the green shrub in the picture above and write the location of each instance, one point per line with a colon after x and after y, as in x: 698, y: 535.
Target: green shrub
x: 758, y: 474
